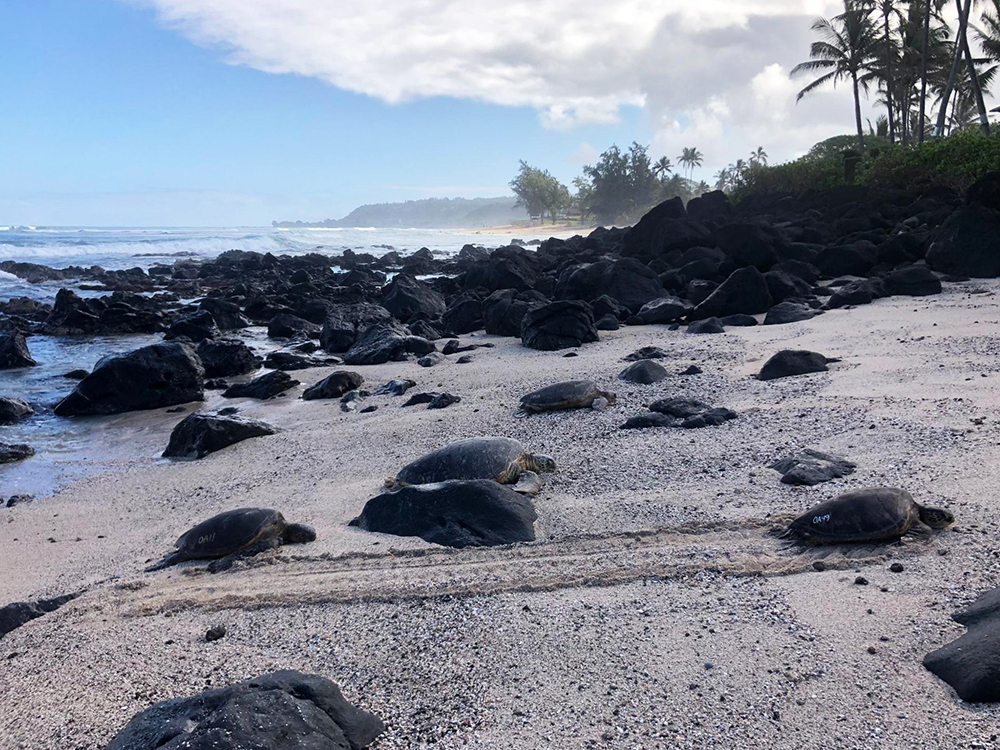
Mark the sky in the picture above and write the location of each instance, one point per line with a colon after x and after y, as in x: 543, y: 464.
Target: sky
x: 240, y: 112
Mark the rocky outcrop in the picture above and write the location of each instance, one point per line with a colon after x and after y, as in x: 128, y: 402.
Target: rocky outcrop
x: 558, y: 325
x: 197, y: 435
x: 152, y: 377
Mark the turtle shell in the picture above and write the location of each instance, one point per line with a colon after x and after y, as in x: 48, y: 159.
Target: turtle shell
x: 574, y: 394
x: 867, y: 515
x: 475, y: 458
x: 231, y: 531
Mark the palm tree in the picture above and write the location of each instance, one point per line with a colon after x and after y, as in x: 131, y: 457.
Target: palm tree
x: 690, y: 159
x: 846, y: 50
x: 759, y: 156
x: 722, y: 179
x: 989, y: 35
x: 962, y: 50
x: 663, y: 167
x: 888, y: 9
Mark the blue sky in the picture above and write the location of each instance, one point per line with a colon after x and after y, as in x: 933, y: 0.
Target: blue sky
x: 237, y: 112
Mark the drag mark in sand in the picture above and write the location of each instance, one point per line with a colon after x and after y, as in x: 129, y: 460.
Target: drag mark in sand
x: 588, y: 561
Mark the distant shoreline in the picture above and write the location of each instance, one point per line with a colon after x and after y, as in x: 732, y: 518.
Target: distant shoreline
x: 548, y: 230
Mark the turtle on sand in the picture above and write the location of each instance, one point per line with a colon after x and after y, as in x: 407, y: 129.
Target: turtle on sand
x: 574, y: 394
x: 869, y: 515
x: 233, y: 534
x: 502, y: 460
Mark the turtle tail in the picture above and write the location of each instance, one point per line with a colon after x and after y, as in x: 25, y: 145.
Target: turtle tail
x: 393, y: 484
x: 177, y: 556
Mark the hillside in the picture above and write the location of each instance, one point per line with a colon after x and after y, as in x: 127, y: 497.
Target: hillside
x: 430, y: 213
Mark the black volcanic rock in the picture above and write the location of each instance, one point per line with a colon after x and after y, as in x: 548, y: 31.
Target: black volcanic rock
x: 334, y: 385
x: 405, y: 298
x: 152, y: 377
x: 14, y: 352
x: 971, y: 664
x: 644, y: 371
x: 13, y: 410
x: 278, y: 711
x: 196, y: 326
x: 385, y: 342
x: 968, y: 244
x: 197, y: 435
x: 914, y: 281
x: 745, y: 291
x: 558, y: 325
x: 227, y: 357
x: 503, y: 311
x: 265, y: 387
x: 288, y: 326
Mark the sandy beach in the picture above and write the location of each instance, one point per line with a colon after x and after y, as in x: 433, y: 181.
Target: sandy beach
x: 655, y: 609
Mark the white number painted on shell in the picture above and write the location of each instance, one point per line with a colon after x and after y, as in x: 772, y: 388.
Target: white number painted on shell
x: 206, y: 538
x: 821, y: 519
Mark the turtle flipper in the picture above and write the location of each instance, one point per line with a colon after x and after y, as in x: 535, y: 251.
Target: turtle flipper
x: 225, y: 563
x: 529, y: 483
x: 177, y: 556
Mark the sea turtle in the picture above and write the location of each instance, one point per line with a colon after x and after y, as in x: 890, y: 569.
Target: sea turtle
x: 575, y: 394
x: 233, y: 534
x: 868, y: 515
x: 503, y: 460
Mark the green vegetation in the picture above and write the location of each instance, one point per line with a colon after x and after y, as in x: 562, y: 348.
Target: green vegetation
x: 539, y: 192
x: 955, y: 161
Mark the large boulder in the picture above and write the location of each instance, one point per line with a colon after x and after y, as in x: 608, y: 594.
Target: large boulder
x: 343, y: 322
x: 70, y: 316
x: 745, y: 291
x: 464, y: 315
x: 639, y: 240
x: 558, y: 325
x: 749, y: 243
x: 152, y: 377
x: 855, y: 259
x: 985, y: 191
x: 788, y: 312
x: 407, y: 298
x: 971, y: 664
x: 265, y: 387
x: 457, y: 513
x: 784, y: 286
x: 13, y: 410
x: 14, y: 352
x: 664, y: 310
x: 968, y: 244
x: 197, y: 435
x: 811, y: 467
x: 334, y: 385
x: 503, y: 311
x: 628, y: 281
x: 507, y: 268
x: 285, y: 709
x: 227, y: 357
x: 857, y: 292
x: 196, y: 326
x: 385, y: 342
x: 913, y: 281
x: 227, y: 315
x: 288, y: 326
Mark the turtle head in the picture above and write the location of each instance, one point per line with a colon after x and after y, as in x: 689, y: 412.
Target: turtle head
x: 543, y: 463
x: 299, y: 533
x: 936, y: 518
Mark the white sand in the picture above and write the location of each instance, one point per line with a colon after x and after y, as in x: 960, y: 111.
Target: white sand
x: 652, y: 560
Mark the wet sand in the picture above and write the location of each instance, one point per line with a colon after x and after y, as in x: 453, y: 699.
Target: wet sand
x: 654, y: 611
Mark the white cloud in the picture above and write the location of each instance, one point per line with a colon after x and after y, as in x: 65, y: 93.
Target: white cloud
x: 713, y: 70
x: 583, y: 154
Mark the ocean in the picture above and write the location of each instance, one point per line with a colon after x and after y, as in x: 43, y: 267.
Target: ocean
x: 120, y: 248
x: 69, y: 448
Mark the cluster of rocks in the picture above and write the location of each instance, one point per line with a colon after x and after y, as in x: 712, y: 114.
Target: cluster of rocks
x: 709, y: 263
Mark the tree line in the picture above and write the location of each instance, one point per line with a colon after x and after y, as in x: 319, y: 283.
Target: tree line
x: 906, y: 54
x: 620, y: 186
